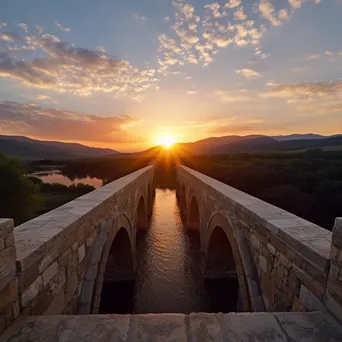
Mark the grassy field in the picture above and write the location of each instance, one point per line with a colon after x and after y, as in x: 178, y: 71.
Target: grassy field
x: 44, y: 202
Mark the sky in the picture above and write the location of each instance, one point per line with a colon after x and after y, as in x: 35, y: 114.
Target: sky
x: 124, y: 74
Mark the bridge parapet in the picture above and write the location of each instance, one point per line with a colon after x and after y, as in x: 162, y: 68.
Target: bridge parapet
x: 55, y: 254
x: 290, y: 257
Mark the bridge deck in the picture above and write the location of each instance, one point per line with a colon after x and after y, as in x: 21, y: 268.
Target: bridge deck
x: 290, y: 326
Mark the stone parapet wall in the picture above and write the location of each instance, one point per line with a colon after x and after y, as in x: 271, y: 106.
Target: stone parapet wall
x: 290, y: 254
x: 334, y: 291
x: 9, y: 304
x: 42, y: 273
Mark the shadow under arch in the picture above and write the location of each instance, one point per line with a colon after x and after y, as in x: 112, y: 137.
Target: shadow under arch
x: 193, y: 217
x: 141, y: 215
x: 104, y: 246
x: 224, y: 241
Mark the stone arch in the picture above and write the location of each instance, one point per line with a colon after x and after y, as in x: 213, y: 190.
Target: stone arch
x: 193, y: 217
x: 90, y: 297
x: 226, y: 241
x: 141, y: 215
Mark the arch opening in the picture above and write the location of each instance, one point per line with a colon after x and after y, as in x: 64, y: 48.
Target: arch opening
x: 141, y: 218
x: 193, y: 221
x: 220, y: 273
x: 119, y: 272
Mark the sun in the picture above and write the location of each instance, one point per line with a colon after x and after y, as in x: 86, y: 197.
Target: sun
x: 166, y: 140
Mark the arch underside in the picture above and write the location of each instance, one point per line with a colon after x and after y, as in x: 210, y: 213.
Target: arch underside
x: 229, y: 256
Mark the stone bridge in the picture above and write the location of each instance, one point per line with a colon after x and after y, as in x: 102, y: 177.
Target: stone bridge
x: 52, y: 268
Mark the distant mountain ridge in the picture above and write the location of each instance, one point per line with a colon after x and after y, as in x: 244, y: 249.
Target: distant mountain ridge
x: 31, y: 149
x: 261, y: 143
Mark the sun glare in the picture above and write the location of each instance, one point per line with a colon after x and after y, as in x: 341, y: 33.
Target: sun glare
x: 166, y: 141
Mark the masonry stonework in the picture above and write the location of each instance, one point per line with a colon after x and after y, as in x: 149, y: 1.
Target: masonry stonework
x: 290, y: 264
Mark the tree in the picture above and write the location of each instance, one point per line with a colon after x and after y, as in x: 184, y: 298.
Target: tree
x: 16, y: 191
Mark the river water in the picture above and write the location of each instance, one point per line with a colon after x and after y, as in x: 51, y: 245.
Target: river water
x: 169, y: 264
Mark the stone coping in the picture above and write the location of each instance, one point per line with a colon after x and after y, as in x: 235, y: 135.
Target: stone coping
x: 37, y: 236
x: 200, y: 327
x: 310, y: 240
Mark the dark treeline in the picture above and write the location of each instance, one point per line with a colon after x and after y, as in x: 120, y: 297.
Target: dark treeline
x: 307, y: 184
x: 107, y: 168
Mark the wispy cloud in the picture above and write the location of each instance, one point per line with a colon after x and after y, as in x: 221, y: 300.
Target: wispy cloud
x: 139, y: 17
x: 65, y: 29
x: 67, y: 68
x: 248, y: 73
x: 51, y: 123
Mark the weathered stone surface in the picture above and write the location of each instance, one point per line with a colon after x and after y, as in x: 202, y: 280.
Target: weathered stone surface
x: 308, y: 327
x: 57, y: 306
x: 168, y: 328
x: 7, y: 257
x: 50, y: 272
x: 81, y: 253
x: 71, y: 287
x: 310, y: 301
x: 205, y: 327
x: 251, y: 327
x: 32, y: 291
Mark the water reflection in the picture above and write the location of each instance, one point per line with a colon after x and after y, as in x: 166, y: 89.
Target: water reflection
x: 56, y: 176
x: 169, y: 267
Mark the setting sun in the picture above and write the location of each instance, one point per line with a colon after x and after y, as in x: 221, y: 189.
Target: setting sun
x: 166, y: 141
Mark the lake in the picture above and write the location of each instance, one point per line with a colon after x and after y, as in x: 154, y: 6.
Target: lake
x: 56, y: 176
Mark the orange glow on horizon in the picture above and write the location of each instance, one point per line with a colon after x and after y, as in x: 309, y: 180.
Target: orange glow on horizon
x: 166, y: 140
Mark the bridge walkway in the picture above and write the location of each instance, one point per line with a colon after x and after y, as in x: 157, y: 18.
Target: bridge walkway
x: 285, y: 326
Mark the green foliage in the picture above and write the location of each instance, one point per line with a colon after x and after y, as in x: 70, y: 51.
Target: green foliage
x: 307, y: 184
x: 16, y: 191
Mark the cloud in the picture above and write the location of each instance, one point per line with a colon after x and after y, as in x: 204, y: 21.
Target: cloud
x: 248, y: 73
x: 10, y: 36
x: 65, y: 29
x: 232, y: 4
x: 239, y: 14
x: 23, y: 26
x: 306, y: 89
x: 42, y: 97
x: 139, y: 17
x: 267, y: 10
x: 67, y: 68
x: 52, y: 123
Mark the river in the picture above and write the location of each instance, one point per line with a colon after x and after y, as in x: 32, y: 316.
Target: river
x: 169, y: 264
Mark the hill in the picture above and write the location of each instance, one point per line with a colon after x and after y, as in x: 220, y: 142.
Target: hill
x: 261, y: 143
x: 31, y: 149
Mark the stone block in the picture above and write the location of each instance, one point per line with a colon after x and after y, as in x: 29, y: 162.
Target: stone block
x: 49, y: 259
x: 308, y: 327
x: 50, y: 273
x: 91, y: 272
x: 8, y: 257
x: 297, y: 305
x: 57, y: 283
x: 310, y: 301
x: 334, y: 307
x: 27, y: 277
x: 271, y: 249
x: 7, y: 276
x: 259, y: 327
x: 57, y: 305
x: 31, y: 292
x: 337, y: 233
x: 204, y: 327
x: 71, y: 286
x: 166, y: 328
x: 41, y: 302
x: 255, y: 241
x: 263, y: 263
x: 9, y: 240
x: 309, y: 282
x: 2, y: 244
x: 8, y: 295
x: 335, y: 289
x: 15, y: 309
x: 81, y: 253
